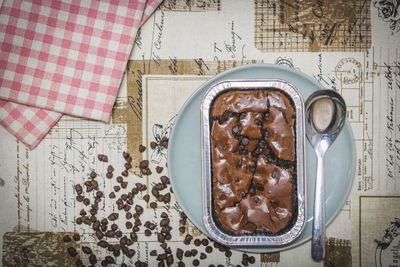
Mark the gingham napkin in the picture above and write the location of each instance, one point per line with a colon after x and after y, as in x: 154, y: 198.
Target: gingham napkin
x: 63, y: 57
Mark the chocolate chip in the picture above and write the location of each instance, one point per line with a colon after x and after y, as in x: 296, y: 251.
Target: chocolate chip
x: 197, y: 242
x: 165, y: 180
x: 102, y: 243
x: 164, y: 222
x: 92, y: 259
x: 72, y: 251
x: 116, y: 253
x: 209, y: 249
x: 275, y: 175
x: 153, y: 205
x: 118, y: 234
x: 99, y: 234
x: 274, y: 205
x: 139, y: 209
x: 170, y: 260
x: 80, y: 198
x: 124, y: 185
x: 167, y: 198
x: 153, y: 145
x: 147, y: 232
x: 159, y: 169
x: 79, y: 263
x: 99, y: 194
x: 160, y: 238
x: 142, y: 148
x: 146, y: 171
x: 203, y: 256
x: 128, y: 215
x: 252, y: 260
x: 188, y: 253
x: 102, y: 157
x: 196, y: 262
x: 164, y: 142
x: 204, y: 242
x: 125, y: 173
x: 125, y: 154
x: 67, y: 239
x: 188, y: 239
x: 194, y: 252
x: 78, y: 189
x: 155, y: 192
x: 76, y: 237
x: 114, y: 227
x: 113, y: 216
x: 245, y: 141
x: 109, y: 259
x: 228, y: 253
x: 146, y: 198
x: 128, y: 166
x: 110, y: 233
x: 93, y: 174
x: 86, y: 250
x: 181, y: 264
x: 179, y: 253
x: 117, y: 188
x: 133, y: 236
x: 144, y: 164
x: 110, y: 168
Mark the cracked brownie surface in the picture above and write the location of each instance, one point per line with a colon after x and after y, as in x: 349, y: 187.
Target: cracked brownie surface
x: 253, y: 160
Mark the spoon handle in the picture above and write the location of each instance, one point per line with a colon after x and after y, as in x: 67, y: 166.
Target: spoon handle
x: 318, y: 232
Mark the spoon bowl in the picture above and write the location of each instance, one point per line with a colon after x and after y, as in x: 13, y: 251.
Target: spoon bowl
x: 325, y: 117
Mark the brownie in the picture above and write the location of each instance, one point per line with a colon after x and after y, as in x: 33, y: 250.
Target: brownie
x: 253, y: 161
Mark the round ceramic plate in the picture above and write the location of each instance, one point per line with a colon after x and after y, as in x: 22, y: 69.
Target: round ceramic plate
x: 184, y: 154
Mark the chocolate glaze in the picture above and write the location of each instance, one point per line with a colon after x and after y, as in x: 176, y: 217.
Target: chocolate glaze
x: 253, y: 153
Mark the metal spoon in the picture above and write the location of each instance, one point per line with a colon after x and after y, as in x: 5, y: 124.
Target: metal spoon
x: 325, y: 115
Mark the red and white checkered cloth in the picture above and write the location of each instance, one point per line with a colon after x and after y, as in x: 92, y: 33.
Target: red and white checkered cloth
x: 63, y: 57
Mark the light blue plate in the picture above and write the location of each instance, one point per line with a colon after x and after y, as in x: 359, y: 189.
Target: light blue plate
x: 184, y: 157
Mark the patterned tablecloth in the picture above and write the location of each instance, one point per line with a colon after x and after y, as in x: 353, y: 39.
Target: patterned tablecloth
x: 97, y: 193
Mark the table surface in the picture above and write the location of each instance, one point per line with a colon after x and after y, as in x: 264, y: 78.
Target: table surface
x: 351, y: 47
